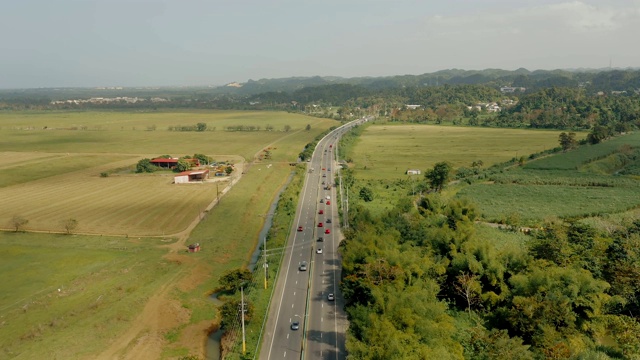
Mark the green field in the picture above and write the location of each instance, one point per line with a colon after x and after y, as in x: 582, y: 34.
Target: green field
x: 577, y: 183
x: 52, y: 174
x: 387, y: 151
x: 66, y: 297
x: 56, y: 174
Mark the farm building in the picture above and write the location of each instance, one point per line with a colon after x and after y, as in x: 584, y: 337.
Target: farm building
x: 191, y: 176
x: 172, y: 162
x: 194, y: 247
x: 413, y: 172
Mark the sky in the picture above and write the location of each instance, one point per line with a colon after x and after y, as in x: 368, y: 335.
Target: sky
x: 130, y: 43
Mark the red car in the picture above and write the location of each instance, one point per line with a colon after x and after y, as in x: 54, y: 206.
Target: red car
x: 328, y: 202
x: 320, y: 224
x: 327, y: 231
x: 299, y: 228
x: 320, y: 211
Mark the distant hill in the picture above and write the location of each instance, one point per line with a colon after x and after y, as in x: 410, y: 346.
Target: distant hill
x: 593, y: 80
x: 606, y: 79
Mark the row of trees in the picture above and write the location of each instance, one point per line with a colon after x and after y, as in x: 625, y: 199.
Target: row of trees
x: 18, y: 223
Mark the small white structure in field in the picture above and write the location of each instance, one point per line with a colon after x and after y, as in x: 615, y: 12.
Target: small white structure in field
x: 414, y: 172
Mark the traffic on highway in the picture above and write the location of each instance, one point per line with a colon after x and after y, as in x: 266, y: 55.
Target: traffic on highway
x: 306, y: 317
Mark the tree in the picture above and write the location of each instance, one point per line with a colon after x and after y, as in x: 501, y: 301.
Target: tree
x: 182, y: 165
x: 308, y: 127
x: 18, y: 222
x: 598, y: 133
x: 228, y: 170
x: 201, y: 127
x: 469, y: 288
x: 145, y: 165
x: 230, y: 311
x: 567, y: 140
x: 70, y: 225
x: 439, y: 175
x: 366, y: 194
x: 204, y: 159
x: 287, y: 128
x: 234, y: 279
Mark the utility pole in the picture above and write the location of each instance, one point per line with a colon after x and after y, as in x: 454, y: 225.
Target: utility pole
x: 265, y: 265
x: 244, y: 344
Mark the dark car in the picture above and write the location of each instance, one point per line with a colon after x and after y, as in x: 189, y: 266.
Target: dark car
x: 320, y: 238
x: 320, y: 224
x: 300, y: 228
x: 295, y: 325
x: 328, y: 221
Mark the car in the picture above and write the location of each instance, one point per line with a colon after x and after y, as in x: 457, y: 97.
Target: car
x: 328, y: 202
x: 327, y: 231
x: 320, y: 224
x: 328, y: 169
x: 324, y: 175
x: 328, y: 221
x: 320, y: 211
x: 300, y: 228
x: 331, y: 297
x: 319, y: 251
x: 320, y: 238
x: 323, y: 169
x: 303, y: 266
x: 323, y: 183
x: 321, y: 201
x: 295, y: 325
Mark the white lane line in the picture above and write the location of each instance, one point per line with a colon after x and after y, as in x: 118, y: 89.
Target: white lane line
x: 321, y: 319
x: 287, y: 336
x: 294, y: 293
x: 292, y: 306
x: 285, y: 354
x: 296, y: 282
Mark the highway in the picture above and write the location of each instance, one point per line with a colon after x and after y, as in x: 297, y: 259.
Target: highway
x: 302, y: 295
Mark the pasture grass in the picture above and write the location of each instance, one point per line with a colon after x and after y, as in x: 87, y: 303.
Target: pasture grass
x: 103, y: 282
x: 530, y: 193
x: 387, y: 151
x: 534, y: 203
x: 572, y: 160
x: 228, y: 235
x: 57, y: 174
x: 109, y: 286
x: 126, y: 132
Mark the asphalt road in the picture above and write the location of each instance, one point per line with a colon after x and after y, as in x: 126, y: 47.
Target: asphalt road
x: 302, y: 295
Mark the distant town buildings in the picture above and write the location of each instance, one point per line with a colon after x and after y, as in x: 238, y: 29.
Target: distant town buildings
x: 103, y: 100
x: 511, y: 89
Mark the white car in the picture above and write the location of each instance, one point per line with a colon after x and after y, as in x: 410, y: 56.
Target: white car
x: 319, y: 251
x: 331, y: 297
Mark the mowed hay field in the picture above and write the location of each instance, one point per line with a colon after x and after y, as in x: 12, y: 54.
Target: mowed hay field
x: 387, y: 151
x: 128, y: 132
x: 127, y: 295
x: 53, y: 172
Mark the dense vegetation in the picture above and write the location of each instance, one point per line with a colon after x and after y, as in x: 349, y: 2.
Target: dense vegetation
x: 427, y: 278
x: 419, y: 283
